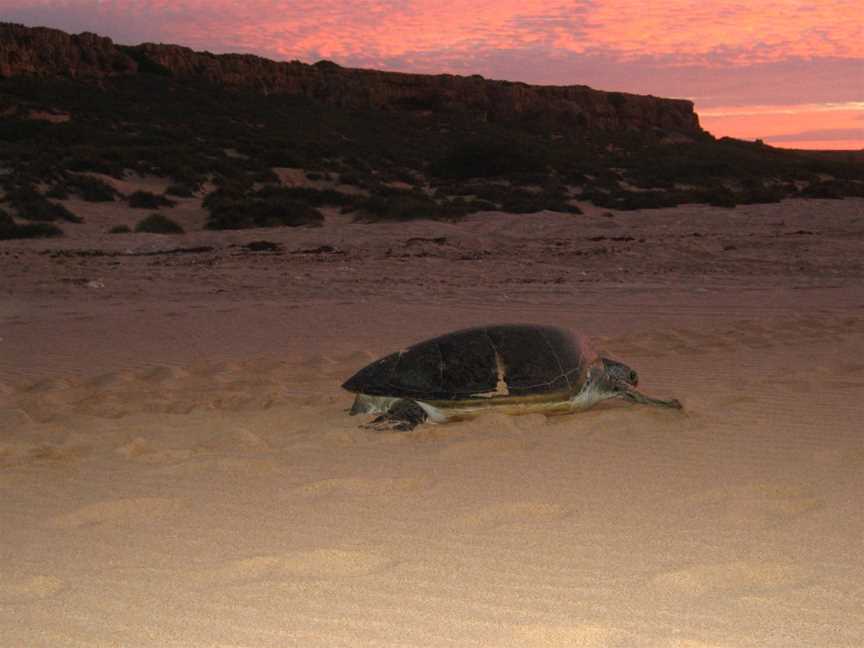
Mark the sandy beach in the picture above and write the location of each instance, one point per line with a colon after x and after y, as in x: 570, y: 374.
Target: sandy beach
x: 178, y: 469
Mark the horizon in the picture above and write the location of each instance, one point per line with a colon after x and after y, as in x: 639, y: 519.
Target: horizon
x: 780, y: 72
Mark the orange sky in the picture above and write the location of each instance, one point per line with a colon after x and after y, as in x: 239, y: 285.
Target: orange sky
x: 786, y: 71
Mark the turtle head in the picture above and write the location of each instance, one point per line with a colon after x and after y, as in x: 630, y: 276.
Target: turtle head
x: 612, y: 378
x: 616, y: 376
x: 606, y: 379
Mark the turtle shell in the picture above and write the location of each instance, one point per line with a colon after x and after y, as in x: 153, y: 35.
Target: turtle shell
x: 472, y: 363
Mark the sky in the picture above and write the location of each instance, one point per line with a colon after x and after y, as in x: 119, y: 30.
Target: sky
x: 788, y: 72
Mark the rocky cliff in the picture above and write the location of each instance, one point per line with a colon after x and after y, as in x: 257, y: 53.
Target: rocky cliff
x: 47, y: 52
x: 43, y: 52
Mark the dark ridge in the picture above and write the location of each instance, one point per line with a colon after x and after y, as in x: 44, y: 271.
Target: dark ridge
x: 51, y: 53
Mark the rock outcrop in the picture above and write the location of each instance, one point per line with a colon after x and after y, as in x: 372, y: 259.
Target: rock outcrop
x: 47, y: 52
x: 43, y: 52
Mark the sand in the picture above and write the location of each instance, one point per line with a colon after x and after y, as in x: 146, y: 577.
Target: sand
x: 177, y: 467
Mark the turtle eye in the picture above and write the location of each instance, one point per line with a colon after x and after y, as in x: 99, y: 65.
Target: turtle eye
x: 633, y: 378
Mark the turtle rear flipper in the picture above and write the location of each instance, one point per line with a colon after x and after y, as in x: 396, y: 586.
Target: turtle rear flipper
x: 403, y: 416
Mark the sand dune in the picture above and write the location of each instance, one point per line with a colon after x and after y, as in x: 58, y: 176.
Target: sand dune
x: 177, y: 467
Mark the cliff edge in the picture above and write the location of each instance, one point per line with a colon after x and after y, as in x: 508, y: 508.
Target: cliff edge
x: 51, y: 53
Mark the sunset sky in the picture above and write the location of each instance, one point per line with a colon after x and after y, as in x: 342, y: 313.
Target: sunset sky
x: 786, y: 71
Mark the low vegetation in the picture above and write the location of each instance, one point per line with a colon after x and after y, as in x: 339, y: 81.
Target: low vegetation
x: 9, y: 229
x: 88, y: 188
x: 400, y: 205
x: 180, y: 190
x: 489, y: 157
x: 33, y: 206
x: 239, y: 207
x: 148, y: 200
x: 403, y: 165
x: 158, y: 224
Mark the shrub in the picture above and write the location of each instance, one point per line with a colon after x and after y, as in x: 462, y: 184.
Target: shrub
x: 633, y: 200
x: 90, y: 159
x: 309, y: 195
x: 11, y: 230
x: 487, y: 157
x: 158, y: 224
x: 280, y: 158
x: 598, y: 197
x: 719, y: 197
x: 617, y: 198
x: 58, y: 191
x: 518, y: 201
x: 91, y: 189
x: 21, y: 130
x: 290, y: 213
x: 183, y: 175
x: 755, y: 191
x: 400, y: 208
x: 32, y: 205
x: 29, y: 230
x: 119, y: 229
x: 833, y: 189
x: 404, y: 175
x: 265, y: 175
x: 493, y: 192
x: 455, y: 188
x: 481, y: 205
x: 492, y: 196
x: 231, y: 208
x: 405, y: 206
x: 356, y: 178
x: 224, y: 198
x: 267, y: 214
x: 148, y: 200
x: 181, y: 190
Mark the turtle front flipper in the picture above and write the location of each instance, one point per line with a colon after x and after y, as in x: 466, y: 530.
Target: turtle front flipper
x: 403, y: 416
x: 638, y: 397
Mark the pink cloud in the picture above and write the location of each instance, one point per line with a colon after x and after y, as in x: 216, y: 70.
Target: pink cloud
x: 707, y: 32
x: 719, y: 33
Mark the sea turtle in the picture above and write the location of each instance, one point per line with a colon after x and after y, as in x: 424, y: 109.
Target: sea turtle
x: 510, y: 368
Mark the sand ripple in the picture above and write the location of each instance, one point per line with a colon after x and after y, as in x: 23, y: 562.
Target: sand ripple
x: 123, y: 511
